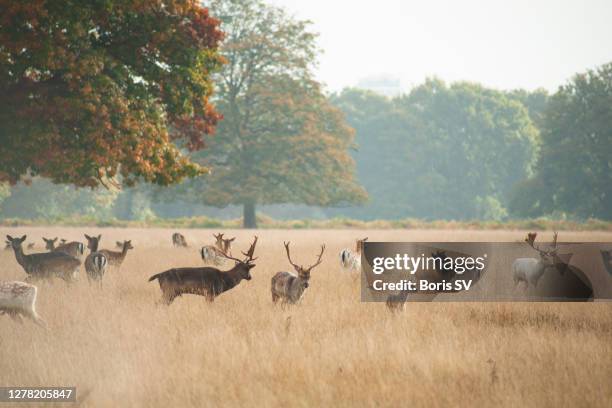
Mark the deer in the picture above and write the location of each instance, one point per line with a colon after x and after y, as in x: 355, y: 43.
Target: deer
x: 205, y: 281
x: 178, y: 240
x: 47, y: 264
x: 397, y: 302
x: 96, y: 262
x: 18, y: 299
x: 215, y: 254
x: 113, y: 258
x: 530, y: 270
x: 351, y: 261
x: 289, y: 287
x: 74, y: 248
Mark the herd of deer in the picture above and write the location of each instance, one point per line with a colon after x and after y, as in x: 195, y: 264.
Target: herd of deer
x: 18, y: 298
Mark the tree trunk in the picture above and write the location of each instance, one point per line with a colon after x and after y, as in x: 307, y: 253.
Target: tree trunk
x: 249, y: 219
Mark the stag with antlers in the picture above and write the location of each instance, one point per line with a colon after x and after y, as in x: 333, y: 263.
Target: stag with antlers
x: 530, y: 270
x: 289, y: 287
x: 206, y: 281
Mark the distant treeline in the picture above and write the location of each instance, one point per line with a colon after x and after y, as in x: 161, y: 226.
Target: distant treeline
x: 462, y: 151
x: 443, y: 151
x: 266, y: 222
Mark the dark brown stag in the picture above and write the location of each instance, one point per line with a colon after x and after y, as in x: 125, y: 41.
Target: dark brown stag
x: 205, y: 281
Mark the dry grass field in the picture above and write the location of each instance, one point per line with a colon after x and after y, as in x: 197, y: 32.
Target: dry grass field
x: 120, y: 348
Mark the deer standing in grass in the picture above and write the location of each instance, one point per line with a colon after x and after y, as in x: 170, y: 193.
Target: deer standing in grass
x: 18, y: 299
x: 74, y: 249
x: 96, y: 262
x: 530, y: 270
x: 351, y: 261
x: 114, y: 258
x: 45, y: 265
x: 215, y: 254
x: 289, y: 287
x: 205, y: 281
x: 178, y: 240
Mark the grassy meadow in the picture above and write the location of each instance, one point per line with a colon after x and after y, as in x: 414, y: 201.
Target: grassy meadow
x: 120, y: 348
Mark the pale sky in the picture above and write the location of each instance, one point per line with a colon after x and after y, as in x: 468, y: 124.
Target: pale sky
x: 503, y: 44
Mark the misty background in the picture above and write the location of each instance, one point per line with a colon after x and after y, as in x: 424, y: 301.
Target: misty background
x: 472, y: 110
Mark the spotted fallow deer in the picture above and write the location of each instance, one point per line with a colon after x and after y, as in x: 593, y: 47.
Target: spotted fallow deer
x: 74, y: 248
x: 215, y: 254
x: 45, y: 265
x: 18, y: 299
x: 288, y: 287
x: 205, y: 281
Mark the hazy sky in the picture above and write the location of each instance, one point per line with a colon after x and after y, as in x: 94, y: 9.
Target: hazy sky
x: 504, y: 44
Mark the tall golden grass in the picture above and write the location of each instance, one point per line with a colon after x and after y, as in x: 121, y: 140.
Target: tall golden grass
x: 120, y: 348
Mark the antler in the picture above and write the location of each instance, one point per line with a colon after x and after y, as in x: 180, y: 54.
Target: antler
x: 319, y: 259
x: 531, y: 241
x: 289, y: 255
x: 248, y: 254
x: 251, y: 251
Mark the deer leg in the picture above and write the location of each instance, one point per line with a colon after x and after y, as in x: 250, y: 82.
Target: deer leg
x: 16, y: 317
x: 36, y: 318
x: 168, y: 298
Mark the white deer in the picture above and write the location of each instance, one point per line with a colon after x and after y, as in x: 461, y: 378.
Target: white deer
x: 351, y: 261
x: 530, y: 270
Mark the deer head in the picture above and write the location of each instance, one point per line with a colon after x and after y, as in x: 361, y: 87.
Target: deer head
x: 304, y: 273
x: 549, y: 257
x: 227, y: 245
x: 219, y: 240
x: 244, y: 266
x: 16, y: 242
x: 50, y: 243
x: 93, y: 242
x: 127, y: 245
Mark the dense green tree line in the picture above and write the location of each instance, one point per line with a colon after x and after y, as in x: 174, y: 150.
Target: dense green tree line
x: 457, y: 151
x: 440, y: 151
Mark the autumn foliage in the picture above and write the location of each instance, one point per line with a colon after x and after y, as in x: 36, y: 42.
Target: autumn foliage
x: 93, y: 90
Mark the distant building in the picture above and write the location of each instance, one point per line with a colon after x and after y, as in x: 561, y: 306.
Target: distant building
x: 382, y: 84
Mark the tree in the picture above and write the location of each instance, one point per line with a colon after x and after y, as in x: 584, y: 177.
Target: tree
x: 92, y: 90
x: 280, y: 140
x: 441, y: 151
x: 574, y: 172
x: 43, y: 199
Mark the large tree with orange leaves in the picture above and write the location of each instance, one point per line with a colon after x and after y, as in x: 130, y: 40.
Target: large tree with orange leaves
x: 281, y: 141
x: 90, y: 90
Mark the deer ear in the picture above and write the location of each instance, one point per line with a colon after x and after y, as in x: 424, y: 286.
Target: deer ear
x: 9, y: 237
x: 87, y: 237
x: 23, y: 238
x: 232, y: 240
x: 99, y: 237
